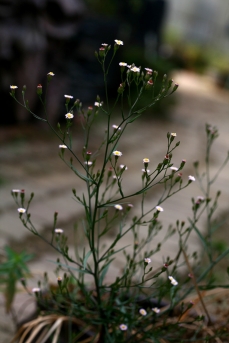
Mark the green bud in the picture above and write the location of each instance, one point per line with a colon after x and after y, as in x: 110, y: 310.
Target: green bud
x: 175, y: 87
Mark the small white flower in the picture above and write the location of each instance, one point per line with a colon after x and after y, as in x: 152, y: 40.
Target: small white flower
x: 122, y: 64
x: 69, y: 116
x: 13, y: 87
x: 146, y: 171
x: 68, y: 96
x: 21, y: 210
x: 104, y: 44
x: 200, y: 198
x: 135, y: 69
x: 123, y: 166
x: 173, y: 134
x: 147, y: 260
x: 117, y: 153
x: 143, y: 312
x: 146, y: 160
x: 118, y: 42
x: 36, y: 290
x: 116, y: 127
x: 156, y: 310
x: 173, y: 281
x: 123, y: 327
x: 89, y: 163
x: 174, y: 168
x: 98, y: 104
x: 149, y: 70
x: 16, y: 191
x: 59, y: 230
x: 191, y: 178
x: 116, y: 177
x: 159, y: 209
x: 118, y: 207
x: 62, y: 146
x: 51, y: 73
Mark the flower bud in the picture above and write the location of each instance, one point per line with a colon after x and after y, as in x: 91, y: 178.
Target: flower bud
x: 39, y: 89
x: 102, y: 52
x: 121, y: 88
x: 175, y: 87
x: 149, y: 84
x: 182, y: 164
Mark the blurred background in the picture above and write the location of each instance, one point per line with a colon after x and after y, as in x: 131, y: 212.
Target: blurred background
x: 188, y: 40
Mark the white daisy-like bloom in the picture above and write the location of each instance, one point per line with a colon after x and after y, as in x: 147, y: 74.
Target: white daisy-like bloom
x: 149, y: 70
x: 69, y: 116
x: 123, y: 327
x: 89, y: 163
x: 191, y: 178
x: 98, y: 104
x: 68, y: 96
x: 173, y: 134
x: 143, y: 312
x: 21, y: 210
x: 146, y: 160
x: 146, y: 171
x: 117, y: 153
x: 13, y: 87
x: 16, y: 191
x: 156, y: 310
x: 62, y: 146
x: 135, y: 69
x: 147, y: 260
x: 122, y: 166
x: 51, y: 73
x: 36, y: 290
x: 59, y: 230
x: 122, y: 64
x: 173, y: 281
x: 116, y: 127
x: 174, y: 168
x: 200, y: 198
x: 59, y: 279
x: 159, y: 209
x: 104, y: 44
x: 118, y: 207
x: 118, y: 42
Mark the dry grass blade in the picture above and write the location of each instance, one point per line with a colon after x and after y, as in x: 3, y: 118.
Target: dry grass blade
x: 57, y: 325
x: 41, y: 326
x: 34, y: 332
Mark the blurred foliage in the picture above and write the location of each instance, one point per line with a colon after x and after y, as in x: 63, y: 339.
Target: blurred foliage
x: 193, y: 57
x: 220, y: 243
x: 12, y: 269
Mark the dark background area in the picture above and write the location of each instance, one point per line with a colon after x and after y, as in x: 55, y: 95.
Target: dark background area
x: 61, y: 36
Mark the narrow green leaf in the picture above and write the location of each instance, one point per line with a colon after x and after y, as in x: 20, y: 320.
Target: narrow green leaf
x: 115, y: 252
x: 104, y: 271
x: 86, y: 258
x: 84, y: 271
